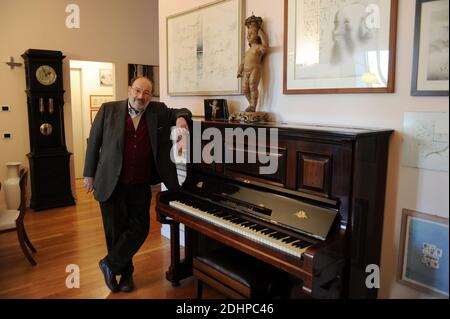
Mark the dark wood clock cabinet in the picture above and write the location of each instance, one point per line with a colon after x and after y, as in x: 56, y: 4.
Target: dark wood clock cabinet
x: 49, y: 159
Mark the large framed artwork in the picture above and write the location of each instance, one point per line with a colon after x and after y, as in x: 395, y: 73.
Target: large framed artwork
x: 333, y: 46
x: 204, y: 50
x: 423, y: 262
x: 149, y: 71
x: 430, y: 58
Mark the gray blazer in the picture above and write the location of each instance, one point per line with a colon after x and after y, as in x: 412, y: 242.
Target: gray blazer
x: 104, y: 152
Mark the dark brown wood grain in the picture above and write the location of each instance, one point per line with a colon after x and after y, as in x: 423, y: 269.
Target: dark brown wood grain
x: 341, y: 167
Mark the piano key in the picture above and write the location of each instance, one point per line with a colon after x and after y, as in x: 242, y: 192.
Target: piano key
x: 289, y: 240
x: 269, y: 231
x: 257, y: 227
x: 262, y: 236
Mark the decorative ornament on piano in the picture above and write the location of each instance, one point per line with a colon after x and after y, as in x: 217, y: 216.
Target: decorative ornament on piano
x: 302, y: 215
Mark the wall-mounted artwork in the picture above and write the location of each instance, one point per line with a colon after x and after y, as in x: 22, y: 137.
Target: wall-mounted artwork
x: 105, y: 76
x: 204, y: 50
x: 93, y: 113
x: 423, y: 262
x: 339, y: 46
x: 149, y: 71
x: 430, y: 62
x: 425, y: 140
x: 96, y: 101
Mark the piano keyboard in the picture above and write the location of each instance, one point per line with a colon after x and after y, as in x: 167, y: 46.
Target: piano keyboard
x: 245, y: 228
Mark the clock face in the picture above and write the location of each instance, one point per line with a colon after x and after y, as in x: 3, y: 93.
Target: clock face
x: 46, y: 75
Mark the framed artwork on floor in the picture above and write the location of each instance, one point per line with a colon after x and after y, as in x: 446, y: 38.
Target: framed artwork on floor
x: 423, y: 262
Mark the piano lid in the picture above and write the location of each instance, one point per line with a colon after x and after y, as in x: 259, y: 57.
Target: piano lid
x: 290, y: 212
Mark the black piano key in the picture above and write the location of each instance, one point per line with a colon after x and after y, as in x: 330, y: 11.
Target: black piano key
x: 257, y: 228
x: 247, y: 223
x: 274, y: 235
x: 289, y: 239
x: 220, y: 214
x: 268, y: 231
x: 304, y: 244
x: 301, y: 244
x: 229, y: 217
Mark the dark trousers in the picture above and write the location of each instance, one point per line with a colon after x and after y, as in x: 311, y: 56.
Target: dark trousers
x: 126, y: 221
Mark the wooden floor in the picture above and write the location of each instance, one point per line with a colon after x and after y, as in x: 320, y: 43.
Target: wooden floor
x: 74, y: 235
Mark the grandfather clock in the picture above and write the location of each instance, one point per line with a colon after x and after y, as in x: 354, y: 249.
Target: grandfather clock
x: 49, y: 158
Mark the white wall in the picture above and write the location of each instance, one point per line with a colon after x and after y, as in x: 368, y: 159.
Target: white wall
x: 115, y: 31
x: 422, y: 190
x: 90, y: 85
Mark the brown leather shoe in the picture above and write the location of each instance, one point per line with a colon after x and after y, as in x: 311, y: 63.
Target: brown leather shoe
x: 110, y: 277
x: 126, y: 283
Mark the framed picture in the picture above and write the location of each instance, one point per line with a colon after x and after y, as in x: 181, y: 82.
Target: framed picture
x: 204, y: 50
x: 216, y: 109
x: 423, y: 262
x: 97, y: 100
x: 105, y: 76
x: 149, y: 71
x: 430, y: 58
x: 93, y: 114
x: 339, y: 46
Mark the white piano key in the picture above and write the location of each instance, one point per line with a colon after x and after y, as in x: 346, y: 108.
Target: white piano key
x: 245, y: 232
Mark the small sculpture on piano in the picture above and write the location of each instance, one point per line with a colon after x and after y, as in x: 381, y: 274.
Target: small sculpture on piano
x: 251, y: 70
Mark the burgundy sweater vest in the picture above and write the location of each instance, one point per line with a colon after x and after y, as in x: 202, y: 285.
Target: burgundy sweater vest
x: 137, y: 163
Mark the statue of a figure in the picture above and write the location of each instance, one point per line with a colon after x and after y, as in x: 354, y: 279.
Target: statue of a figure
x: 251, y: 69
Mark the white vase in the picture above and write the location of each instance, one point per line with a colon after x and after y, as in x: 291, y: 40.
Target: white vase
x: 12, y: 186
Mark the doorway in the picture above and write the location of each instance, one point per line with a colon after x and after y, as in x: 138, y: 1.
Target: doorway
x: 91, y: 85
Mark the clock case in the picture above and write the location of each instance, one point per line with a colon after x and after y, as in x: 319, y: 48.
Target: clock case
x: 49, y: 159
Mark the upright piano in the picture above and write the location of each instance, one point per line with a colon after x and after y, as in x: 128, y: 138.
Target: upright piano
x: 318, y: 216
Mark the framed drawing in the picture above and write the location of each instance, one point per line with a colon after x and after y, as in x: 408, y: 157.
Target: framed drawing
x: 149, y: 71
x: 97, y: 100
x: 204, y: 50
x: 105, y: 76
x: 430, y: 58
x: 339, y: 46
x: 423, y: 262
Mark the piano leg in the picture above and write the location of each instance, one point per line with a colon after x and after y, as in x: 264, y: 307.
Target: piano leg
x: 179, y: 269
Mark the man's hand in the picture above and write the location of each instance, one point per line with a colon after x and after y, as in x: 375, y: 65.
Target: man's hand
x: 89, y: 184
x: 181, y: 123
x: 182, y: 132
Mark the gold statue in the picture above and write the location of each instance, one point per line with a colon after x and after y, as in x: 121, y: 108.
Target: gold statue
x: 251, y: 69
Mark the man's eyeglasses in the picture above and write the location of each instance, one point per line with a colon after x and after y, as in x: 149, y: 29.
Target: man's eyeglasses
x: 138, y: 91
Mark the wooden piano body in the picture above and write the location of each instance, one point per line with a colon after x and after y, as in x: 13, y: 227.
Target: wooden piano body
x: 335, y: 167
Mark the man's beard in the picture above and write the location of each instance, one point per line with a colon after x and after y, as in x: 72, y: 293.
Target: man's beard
x: 137, y: 105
